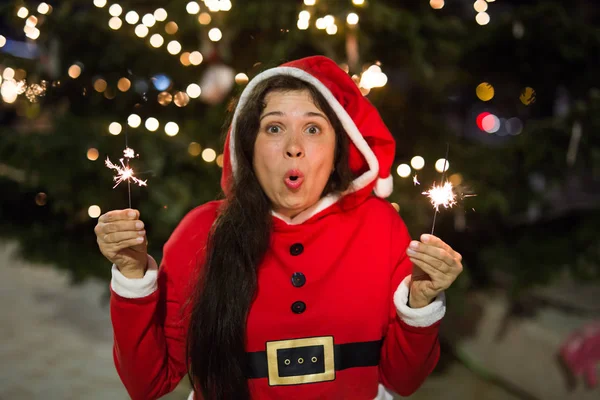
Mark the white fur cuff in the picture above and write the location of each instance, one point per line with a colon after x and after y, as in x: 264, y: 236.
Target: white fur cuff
x: 418, y: 317
x: 135, y: 288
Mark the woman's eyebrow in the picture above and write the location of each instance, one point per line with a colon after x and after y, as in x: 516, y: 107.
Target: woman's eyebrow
x: 282, y: 114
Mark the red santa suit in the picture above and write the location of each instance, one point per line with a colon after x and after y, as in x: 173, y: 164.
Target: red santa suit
x: 330, y: 319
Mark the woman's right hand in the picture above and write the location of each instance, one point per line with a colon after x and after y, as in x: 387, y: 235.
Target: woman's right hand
x: 122, y: 240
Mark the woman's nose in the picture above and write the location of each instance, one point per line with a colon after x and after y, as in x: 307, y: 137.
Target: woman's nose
x: 294, y: 148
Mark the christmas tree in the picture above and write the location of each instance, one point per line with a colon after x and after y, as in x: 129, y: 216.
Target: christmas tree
x: 508, y: 85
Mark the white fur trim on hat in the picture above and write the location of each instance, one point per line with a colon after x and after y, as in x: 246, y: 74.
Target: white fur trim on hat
x: 418, y: 317
x: 349, y: 126
x: 384, y: 186
x: 135, y: 288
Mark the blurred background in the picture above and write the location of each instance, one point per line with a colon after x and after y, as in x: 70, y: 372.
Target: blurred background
x: 510, y: 87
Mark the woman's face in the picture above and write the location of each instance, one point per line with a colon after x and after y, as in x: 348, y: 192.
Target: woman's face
x: 294, y: 151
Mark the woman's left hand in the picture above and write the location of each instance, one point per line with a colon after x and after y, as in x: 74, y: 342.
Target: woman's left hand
x: 435, y: 267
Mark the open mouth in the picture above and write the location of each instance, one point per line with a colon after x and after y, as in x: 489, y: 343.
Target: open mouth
x: 293, y: 179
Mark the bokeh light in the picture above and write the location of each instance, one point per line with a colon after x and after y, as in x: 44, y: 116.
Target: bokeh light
x: 196, y: 58
x: 192, y: 7
x: 490, y: 123
x: 219, y: 160
x: 92, y: 154
x: 124, y: 84
x: 164, y: 98
x: 174, y: 47
x: 8, y: 73
x: 148, y: 20
x: 358, y: 2
x: 193, y: 90
x: 152, y: 124
x: 161, y: 82
x: 41, y: 199
x: 437, y: 4
x: 23, y: 12
x: 456, y: 179
x: 396, y: 206
x: 115, y: 128
x: 141, y: 31
x: 485, y: 91
x: 171, y: 129
x: 479, y: 119
x: 241, y: 78
x: 514, y: 126
x: 99, y: 3
x: 115, y: 10
x: 527, y: 96
x: 132, y: 17
x: 156, y: 40
x: 181, y: 99
x: 100, y: 85
x: 2, y: 41
x: 482, y: 18
x: 194, y: 149
x: 171, y: 28
x: 403, y: 170
x: 31, y: 21
x: 331, y: 29
x: 215, y: 34
x: 352, y: 19
x: 480, y: 6
x: 303, y: 24
x: 184, y: 58
x: 204, y: 18
x: 310, y: 2
x: 160, y: 14
x: 417, y: 162
x: 209, y: 155
x: 74, y: 71
x: 440, y: 164
x: 115, y: 23
x: 134, y: 120
x: 94, y: 211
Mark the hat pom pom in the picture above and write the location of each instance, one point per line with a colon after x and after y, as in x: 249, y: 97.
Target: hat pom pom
x: 384, y: 187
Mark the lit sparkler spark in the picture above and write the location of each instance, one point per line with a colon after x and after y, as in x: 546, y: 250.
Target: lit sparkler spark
x: 415, y: 181
x: 441, y: 195
x: 128, y: 153
x: 124, y: 173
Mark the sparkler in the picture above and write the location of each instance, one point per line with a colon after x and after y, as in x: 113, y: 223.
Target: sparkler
x: 124, y: 171
x: 441, y: 195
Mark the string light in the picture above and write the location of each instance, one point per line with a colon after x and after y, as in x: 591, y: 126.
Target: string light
x: 74, y: 71
x: 23, y: 12
x: 184, y: 58
x: 99, y: 3
x: 303, y: 24
x: 215, y: 34
x: 31, y: 21
x: 8, y: 73
x: 484, y: 91
x: 132, y: 17
x: 92, y: 154
x: 331, y: 29
x: 358, y: 2
x: 174, y: 47
x: 160, y: 14
x: 156, y: 40
x: 209, y: 155
x: 115, y: 10
x: 437, y: 4
x: 194, y: 149
x: 192, y: 7
x: 124, y: 84
x: 480, y: 6
x: 115, y: 23
x: 2, y: 41
x: 220, y: 160
x: 181, y: 99
x: 204, y: 18
x: 141, y: 31
x: 148, y: 20
x: 440, y: 164
x: 32, y: 32
x: 171, y: 28
x: 352, y: 19
x: 115, y: 128
x: 403, y: 170
x: 134, y: 120
x: 241, y: 78
x: 171, y: 129
x: 320, y: 23
x: 417, y: 162
x: 100, y: 85
x: 94, y: 211
x: 164, y: 98
x: 310, y: 2
x: 193, y: 90
x: 152, y: 124
x: 196, y: 58
x: 482, y: 18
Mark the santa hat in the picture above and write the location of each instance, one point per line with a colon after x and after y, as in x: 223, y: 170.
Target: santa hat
x: 372, y: 146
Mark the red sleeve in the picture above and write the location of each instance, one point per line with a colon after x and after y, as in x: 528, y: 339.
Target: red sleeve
x: 409, y: 353
x: 149, y: 332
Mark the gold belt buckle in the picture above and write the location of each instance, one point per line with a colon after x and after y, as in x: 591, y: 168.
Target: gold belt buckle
x: 278, y: 376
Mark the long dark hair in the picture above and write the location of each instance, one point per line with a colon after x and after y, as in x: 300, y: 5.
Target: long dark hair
x: 239, y: 238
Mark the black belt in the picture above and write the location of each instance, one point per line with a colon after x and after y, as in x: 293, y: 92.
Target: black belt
x: 310, y: 359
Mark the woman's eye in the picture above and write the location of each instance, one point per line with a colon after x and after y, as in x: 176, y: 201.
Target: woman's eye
x: 273, y: 129
x: 313, y: 130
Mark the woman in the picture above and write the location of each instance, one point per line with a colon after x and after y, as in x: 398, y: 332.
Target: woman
x: 301, y: 283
